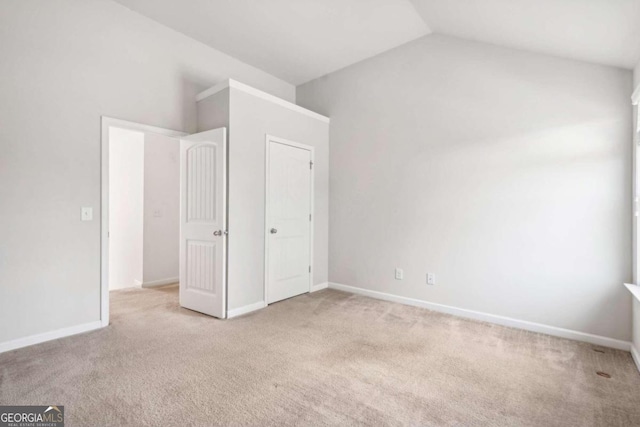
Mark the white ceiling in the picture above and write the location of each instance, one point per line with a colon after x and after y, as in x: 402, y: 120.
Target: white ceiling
x: 296, y: 40
x: 299, y: 40
x: 601, y: 31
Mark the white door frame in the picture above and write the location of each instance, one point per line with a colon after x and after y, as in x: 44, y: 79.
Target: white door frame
x: 268, y: 140
x: 106, y: 123
x: 635, y: 102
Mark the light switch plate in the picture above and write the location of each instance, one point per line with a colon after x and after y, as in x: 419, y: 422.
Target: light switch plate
x: 87, y: 214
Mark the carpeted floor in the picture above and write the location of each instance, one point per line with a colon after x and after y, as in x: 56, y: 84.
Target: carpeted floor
x: 327, y: 358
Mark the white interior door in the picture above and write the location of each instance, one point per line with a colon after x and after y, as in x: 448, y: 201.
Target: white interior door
x: 203, y: 210
x: 288, y: 220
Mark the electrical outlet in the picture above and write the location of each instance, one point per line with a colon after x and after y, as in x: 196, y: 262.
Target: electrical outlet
x: 399, y: 274
x: 431, y: 279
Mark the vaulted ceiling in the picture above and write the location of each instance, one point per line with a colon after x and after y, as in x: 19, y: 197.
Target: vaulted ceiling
x: 299, y: 40
x: 600, y: 31
x: 296, y: 40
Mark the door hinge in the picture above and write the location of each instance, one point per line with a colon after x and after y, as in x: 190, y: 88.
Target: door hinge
x: 309, y: 269
x: 310, y: 165
x: 309, y: 217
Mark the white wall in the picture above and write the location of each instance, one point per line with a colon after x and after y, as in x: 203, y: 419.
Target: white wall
x: 505, y: 173
x: 161, y: 208
x: 250, y: 119
x: 64, y: 64
x: 126, y: 158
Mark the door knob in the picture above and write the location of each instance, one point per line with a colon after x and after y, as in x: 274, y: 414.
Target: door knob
x: 274, y: 231
x: 217, y: 233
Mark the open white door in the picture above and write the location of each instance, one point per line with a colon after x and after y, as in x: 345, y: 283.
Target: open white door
x: 203, y: 161
x: 288, y: 219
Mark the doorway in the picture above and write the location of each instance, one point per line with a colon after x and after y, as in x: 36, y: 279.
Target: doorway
x: 139, y: 207
x: 163, y: 213
x: 288, y: 219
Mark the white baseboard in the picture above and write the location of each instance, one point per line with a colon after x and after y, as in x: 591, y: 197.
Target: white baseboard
x: 246, y: 309
x: 162, y: 282
x: 48, y: 336
x: 635, y: 355
x: 319, y: 287
x: 491, y: 318
x: 259, y: 305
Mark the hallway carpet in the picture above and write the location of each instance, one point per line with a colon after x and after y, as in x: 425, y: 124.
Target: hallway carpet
x: 328, y: 358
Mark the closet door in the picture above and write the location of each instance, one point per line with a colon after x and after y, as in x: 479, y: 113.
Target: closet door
x: 288, y: 219
x: 203, y: 222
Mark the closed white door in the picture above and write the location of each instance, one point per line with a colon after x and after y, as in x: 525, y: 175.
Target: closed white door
x: 203, y: 162
x: 288, y: 220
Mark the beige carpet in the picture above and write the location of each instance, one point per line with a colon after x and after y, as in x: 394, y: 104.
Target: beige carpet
x: 323, y: 359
